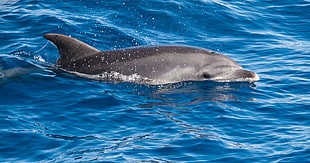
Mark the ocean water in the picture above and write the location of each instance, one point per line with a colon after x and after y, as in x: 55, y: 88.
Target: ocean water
x: 49, y: 116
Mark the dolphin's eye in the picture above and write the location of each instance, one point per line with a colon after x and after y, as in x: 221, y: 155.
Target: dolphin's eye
x: 206, y: 75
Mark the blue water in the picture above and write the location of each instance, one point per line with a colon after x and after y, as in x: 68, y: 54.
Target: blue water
x: 50, y: 116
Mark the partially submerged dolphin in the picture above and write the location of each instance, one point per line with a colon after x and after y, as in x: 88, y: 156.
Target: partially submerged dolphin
x: 14, y: 66
x: 156, y: 64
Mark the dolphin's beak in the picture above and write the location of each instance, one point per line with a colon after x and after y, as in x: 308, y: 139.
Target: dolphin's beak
x: 245, y: 75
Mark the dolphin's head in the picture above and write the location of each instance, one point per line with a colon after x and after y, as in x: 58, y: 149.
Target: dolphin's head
x: 221, y: 68
x: 204, y: 66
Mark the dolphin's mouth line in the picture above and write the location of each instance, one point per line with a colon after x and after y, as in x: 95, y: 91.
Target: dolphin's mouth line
x: 236, y: 80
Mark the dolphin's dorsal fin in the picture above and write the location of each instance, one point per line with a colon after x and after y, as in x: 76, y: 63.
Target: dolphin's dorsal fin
x: 70, y: 48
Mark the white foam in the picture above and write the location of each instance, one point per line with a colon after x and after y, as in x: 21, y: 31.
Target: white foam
x: 116, y: 76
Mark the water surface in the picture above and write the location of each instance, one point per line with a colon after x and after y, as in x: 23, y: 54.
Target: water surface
x: 50, y: 116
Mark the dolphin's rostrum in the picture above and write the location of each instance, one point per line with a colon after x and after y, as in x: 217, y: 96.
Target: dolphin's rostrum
x: 156, y: 64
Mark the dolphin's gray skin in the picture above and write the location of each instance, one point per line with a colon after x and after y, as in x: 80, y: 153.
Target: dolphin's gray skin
x: 157, y: 64
x: 14, y: 66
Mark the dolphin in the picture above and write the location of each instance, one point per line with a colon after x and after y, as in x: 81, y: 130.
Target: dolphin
x: 13, y: 66
x: 16, y: 71
x: 151, y: 64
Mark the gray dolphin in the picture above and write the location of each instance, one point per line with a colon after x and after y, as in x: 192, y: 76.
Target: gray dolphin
x: 155, y: 64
